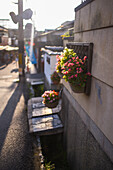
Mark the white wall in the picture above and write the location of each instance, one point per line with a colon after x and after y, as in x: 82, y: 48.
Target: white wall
x: 49, y: 68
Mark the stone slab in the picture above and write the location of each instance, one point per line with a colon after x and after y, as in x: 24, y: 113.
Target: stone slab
x: 37, y: 105
x: 36, y: 99
x: 37, y: 108
x: 46, y: 125
x: 33, y: 83
x: 45, y: 111
x: 29, y: 80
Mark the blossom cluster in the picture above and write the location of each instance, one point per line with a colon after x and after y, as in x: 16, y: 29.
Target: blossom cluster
x: 63, y: 58
x: 73, y: 68
x: 55, y: 77
x: 50, y: 96
x: 58, y: 65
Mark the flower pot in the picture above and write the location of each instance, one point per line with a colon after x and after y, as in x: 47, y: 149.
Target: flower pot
x: 56, y: 82
x: 52, y: 105
x: 76, y: 88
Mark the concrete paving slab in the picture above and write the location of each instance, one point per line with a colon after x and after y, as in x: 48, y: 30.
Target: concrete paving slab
x: 46, y: 125
x: 38, y: 82
x: 45, y: 111
x: 43, y: 120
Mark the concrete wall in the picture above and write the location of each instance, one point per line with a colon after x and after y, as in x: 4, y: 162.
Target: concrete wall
x: 96, y: 23
x: 93, y: 23
x: 66, y: 40
x: 80, y: 137
x: 97, y: 14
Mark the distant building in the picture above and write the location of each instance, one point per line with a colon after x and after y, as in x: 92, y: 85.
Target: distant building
x: 49, y: 57
x: 51, y: 38
x: 3, y: 36
x: 13, y: 37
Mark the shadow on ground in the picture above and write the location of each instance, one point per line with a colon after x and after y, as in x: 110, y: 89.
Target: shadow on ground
x: 15, y: 142
x: 2, y: 66
x: 14, y: 70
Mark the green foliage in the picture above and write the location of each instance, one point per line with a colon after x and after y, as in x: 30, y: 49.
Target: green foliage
x: 38, y: 90
x: 65, y: 35
x: 55, y: 77
x: 49, y: 166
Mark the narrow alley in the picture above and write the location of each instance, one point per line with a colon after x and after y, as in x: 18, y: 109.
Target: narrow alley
x: 15, y: 142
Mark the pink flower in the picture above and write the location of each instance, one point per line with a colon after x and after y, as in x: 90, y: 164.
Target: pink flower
x: 70, y: 64
x: 69, y: 59
x: 62, y: 68
x: 69, y: 69
x: 80, y: 69
x: 57, y: 56
x: 77, y: 62
x: 62, y: 71
x: 73, y: 58
x: 77, y: 58
x: 89, y: 74
x: 66, y: 72
x: 74, y: 61
x: 58, y: 59
x: 65, y: 64
x: 71, y: 77
x: 75, y: 75
x: 61, y: 56
x: 84, y: 57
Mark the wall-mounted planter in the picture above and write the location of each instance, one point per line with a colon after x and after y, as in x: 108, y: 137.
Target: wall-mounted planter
x: 84, y: 49
x: 56, y: 82
x: 76, y: 88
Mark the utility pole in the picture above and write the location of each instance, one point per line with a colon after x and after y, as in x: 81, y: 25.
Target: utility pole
x: 27, y: 14
x: 21, y: 39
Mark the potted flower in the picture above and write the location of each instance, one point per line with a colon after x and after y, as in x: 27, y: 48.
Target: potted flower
x: 58, y: 65
x: 51, y: 98
x: 63, y: 58
x: 74, y: 70
x: 55, y: 78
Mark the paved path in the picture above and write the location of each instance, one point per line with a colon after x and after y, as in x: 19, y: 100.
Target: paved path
x: 16, y: 151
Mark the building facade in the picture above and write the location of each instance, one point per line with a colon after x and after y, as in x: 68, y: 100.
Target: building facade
x: 88, y: 120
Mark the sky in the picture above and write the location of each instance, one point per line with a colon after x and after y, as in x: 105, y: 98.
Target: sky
x: 47, y: 14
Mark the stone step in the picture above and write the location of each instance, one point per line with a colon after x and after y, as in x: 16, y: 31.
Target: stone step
x: 43, y: 120
x: 38, y: 108
x: 45, y: 111
x: 34, y: 83
x: 46, y: 125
